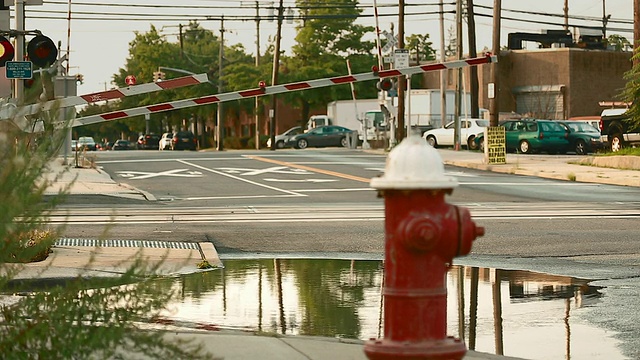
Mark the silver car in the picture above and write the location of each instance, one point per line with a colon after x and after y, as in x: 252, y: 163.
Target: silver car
x: 281, y: 139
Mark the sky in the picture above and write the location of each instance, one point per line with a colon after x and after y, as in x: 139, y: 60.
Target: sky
x: 98, y: 35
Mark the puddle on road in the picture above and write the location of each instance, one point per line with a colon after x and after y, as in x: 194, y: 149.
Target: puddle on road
x: 524, y: 314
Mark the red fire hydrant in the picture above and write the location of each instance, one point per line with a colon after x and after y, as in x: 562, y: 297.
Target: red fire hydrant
x: 422, y: 236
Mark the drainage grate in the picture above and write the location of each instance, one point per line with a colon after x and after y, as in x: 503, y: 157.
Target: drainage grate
x: 127, y: 243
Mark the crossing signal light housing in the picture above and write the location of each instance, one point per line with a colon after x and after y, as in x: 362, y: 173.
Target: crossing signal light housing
x: 385, y: 84
x: 42, y: 51
x: 158, y: 76
x: 6, y: 51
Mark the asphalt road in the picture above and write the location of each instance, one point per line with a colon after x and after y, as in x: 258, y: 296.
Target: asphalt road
x: 321, y: 201
x: 318, y: 203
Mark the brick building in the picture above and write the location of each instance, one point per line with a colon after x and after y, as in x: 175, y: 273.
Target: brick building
x: 553, y: 83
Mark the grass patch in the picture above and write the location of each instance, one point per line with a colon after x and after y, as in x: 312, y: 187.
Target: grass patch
x: 625, y: 151
x: 571, y: 177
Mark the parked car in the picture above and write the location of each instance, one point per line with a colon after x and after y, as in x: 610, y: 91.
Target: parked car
x: 122, y: 145
x: 583, y: 137
x: 108, y: 145
x: 282, y: 138
x: 148, y: 141
x: 421, y: 129
x: 165, y: 141
x: 469, y: 130
x: 74, y: 145
x: 86, y: 143
x: 183, y: 140
x: 533, y: 135
x: 329, y: 135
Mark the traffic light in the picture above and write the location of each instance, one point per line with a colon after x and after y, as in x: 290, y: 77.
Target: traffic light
x: 42, y: 51
x: 6, y: 51
x: 158, y: 76
x: 80, y: 79
x: 385, y: 84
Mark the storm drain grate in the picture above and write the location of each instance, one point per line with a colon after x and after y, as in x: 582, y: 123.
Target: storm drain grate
x: 127, y: 243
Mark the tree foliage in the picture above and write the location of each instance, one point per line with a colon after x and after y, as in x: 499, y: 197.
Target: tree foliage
x: 618, y: 42
x: 326, y: 39
x: 631, y: 91
x: 421, y: 45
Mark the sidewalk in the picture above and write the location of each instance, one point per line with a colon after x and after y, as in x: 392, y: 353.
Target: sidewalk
x: 613, y: 170
x: 69, y: 261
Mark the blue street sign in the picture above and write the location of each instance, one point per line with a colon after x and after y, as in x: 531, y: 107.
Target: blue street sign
x: 19, y: 69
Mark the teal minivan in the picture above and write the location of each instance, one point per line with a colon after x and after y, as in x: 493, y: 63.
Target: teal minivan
x: 533, y: 135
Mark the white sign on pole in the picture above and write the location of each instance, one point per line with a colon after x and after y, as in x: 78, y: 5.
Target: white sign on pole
x: 400, y: 58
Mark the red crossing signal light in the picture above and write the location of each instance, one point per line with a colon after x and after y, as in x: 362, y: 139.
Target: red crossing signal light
x: 385, y: 84
x: 6, y: 51
x: 42, y: 51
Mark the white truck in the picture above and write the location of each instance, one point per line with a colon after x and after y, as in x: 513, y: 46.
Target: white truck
x: 424, y: 107
x: 350, y: 114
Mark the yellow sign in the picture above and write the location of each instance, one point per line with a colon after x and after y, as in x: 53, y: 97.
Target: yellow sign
x: 496, y: 145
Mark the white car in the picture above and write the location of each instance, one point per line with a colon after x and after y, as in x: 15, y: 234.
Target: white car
x: 281, y: 139
x: 469, y: 129
x: 165, y: 141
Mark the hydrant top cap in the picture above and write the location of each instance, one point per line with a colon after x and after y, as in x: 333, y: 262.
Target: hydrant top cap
x: 414, y: 164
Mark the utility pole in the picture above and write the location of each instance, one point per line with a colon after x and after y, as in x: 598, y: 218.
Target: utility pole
x: 566, y: 14
x: 274, y: 79
x: 220, y: 126
x: 19, y: 48
x: 443, y: 73
x: 402, y: 80
x: 181, y: 41
x: 456, y: 129
x: 257, y: 99
x: 493, y: 100
x: 473, y: 70
x: 636, y: 28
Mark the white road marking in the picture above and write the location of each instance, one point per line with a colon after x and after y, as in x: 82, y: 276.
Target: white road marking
x: 242, y: 179
x: 274, y: 170
x: 300, y: 180
x: 138, y: 175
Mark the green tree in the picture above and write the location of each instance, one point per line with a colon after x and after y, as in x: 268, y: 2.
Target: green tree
x: 631, y: 91
x: 82, y: 319
x: 421, y: 46
x: 618, y: 42
x: 325, y: 40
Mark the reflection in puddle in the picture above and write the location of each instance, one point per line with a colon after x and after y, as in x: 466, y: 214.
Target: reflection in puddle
x: 524, y: 314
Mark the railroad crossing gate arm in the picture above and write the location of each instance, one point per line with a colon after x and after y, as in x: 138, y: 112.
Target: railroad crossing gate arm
x: 10, y: 111
x: 278, y: 89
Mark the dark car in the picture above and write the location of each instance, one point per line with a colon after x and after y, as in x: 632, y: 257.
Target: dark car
x: 183, y: 140
x: 583, y: 137
x: 121, y: 145
x: 533, y: 135
x: 87, y: 143
x: 330, y: 135
x: 148, y: 142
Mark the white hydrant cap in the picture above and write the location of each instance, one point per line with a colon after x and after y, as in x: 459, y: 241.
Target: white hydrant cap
x: 414, y: 164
